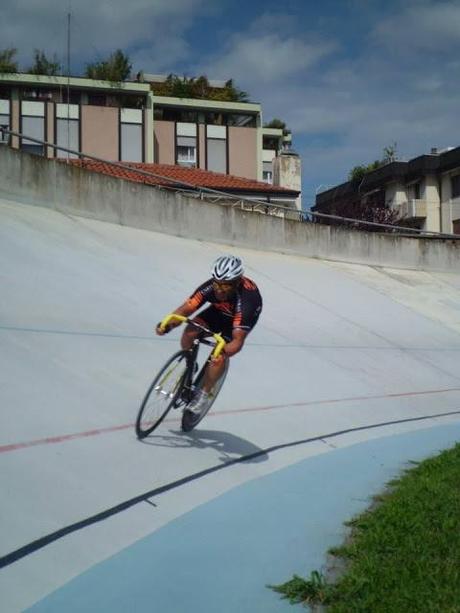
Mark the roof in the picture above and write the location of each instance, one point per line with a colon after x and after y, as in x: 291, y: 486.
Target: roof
x: 187, y: 177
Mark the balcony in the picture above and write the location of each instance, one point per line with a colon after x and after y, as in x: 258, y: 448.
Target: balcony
x: 412, y: 209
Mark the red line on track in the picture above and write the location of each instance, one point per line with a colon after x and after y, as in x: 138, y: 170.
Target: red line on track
x: 78, y: 435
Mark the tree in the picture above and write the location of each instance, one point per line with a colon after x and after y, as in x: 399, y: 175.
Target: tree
x: 44, y: 66
x: 389, y: 155
x: 184, y: 87
x: 7, y: 64
x: 373, y: 209
x: 276, y: 123
x: 116, y: 69
x: 234, y: 93
x: 357, y: 172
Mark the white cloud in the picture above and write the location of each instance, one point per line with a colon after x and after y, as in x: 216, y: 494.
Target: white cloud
x: 268, y: 58
x: 421, y: 27
x: 155, y: 30
x: 267, y: 52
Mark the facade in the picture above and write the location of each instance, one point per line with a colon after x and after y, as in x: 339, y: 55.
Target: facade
x: 127, y: 122
x: 425, y: 191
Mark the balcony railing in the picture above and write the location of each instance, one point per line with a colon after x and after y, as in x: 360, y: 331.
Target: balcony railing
x: 412, y: 209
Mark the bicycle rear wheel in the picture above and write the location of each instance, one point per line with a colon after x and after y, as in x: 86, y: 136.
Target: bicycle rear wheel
x: 162, y: 394
x: 189, y: 419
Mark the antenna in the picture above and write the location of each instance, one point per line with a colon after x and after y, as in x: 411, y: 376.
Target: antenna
x: 68, y: 76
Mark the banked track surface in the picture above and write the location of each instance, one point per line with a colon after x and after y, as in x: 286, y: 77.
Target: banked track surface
x: 340, y: 349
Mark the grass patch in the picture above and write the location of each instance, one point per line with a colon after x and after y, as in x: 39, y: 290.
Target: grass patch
x: 403, y: 554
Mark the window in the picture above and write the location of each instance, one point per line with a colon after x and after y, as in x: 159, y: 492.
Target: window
x: 131, y: 131
x: 216, y: 148
x: 240, y: 120
x: 72, y: 96
x: 216, y: 119
x: 455, y: 186
x: 171, y: 114
x: 271, y: 142
x: 33, y: 126
x: 186, y: 144
x: 29, y: 93
x: 5, y: 92
x: 97, y: 99
x: 131, y: 101
x: 267, y: 172
x: 4, y: 120
x: 67, y: 129
x: 186, y: 150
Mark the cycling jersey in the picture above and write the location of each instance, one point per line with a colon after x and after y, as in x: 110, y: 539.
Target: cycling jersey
x: 242, y: 310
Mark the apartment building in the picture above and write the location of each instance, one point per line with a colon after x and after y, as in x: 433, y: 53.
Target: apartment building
x: 128, y: 122
x: 425, y: 191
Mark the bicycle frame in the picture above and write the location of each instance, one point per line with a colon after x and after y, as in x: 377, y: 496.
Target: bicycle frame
x: 220, y: 342
x: 190, y: 383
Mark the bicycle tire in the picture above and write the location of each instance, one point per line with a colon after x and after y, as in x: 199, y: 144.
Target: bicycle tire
x: 189, y: 419
x: 162, y: 394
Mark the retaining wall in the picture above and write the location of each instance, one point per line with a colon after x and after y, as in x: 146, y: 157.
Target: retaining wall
x: 38, y: 181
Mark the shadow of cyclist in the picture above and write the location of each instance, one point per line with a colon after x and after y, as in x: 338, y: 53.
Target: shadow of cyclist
x: 229, y: 446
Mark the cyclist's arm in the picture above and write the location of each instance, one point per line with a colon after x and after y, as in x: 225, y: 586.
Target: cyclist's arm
x: 185, y: 310
x: 237, y: 342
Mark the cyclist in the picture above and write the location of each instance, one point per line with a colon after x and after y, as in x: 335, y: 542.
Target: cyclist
x: 235, y: 306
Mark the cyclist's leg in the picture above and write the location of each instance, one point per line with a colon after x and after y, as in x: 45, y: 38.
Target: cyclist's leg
x: 217, y: 322
x: 214, y: 371
x: 190, y: 334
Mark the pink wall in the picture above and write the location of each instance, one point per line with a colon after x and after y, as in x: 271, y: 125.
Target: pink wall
x: 164, y: 142
x: 99, y: 131
x: 242, y: 147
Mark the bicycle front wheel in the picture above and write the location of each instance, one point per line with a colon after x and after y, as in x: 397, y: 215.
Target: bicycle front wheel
x: 162, y: 394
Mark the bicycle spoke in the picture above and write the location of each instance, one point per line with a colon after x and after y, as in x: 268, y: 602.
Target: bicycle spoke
x: 161, y: 395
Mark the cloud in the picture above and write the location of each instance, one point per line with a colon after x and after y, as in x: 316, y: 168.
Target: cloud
x: 433, y: 27
x: 155, y: 31
x: 266, y: 52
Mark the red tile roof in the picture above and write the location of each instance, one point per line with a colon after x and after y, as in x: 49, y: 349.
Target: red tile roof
x: 194, y: 177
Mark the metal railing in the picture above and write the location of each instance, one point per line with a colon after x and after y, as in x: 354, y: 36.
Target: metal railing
x: 250, y: 204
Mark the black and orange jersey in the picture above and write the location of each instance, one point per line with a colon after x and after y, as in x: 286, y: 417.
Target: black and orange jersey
x: 241, y: 310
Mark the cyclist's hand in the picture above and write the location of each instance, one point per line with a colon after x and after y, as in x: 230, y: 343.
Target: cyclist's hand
x: 160, y: 331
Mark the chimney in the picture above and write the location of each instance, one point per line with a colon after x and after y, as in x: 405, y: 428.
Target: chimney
x: 434, y: 151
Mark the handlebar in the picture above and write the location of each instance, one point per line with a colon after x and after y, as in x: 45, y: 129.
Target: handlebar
x: 220, y: 342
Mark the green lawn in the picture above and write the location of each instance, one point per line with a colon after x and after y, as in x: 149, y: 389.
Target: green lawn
x: 403, y: 554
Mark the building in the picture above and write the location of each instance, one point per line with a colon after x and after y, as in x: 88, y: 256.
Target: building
x: 127, y: 122
x: 425, y: 191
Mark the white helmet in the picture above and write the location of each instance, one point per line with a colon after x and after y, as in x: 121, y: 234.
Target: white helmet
x: 227, y: 268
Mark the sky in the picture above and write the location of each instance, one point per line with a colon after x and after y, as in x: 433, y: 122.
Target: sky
x: 348, y: 77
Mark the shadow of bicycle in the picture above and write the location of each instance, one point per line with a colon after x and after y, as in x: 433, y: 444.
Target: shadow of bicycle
x: 229, y: 446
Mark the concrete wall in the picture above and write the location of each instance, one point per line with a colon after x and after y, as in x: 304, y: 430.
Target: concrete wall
x: 35, y: 180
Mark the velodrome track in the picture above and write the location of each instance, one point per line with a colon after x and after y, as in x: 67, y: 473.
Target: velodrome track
x: 346, y: 360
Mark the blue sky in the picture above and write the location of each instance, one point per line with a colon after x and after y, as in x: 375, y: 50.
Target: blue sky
x: 349, y: 77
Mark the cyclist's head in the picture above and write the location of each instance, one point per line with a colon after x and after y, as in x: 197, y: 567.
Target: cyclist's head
x: 227, y: 268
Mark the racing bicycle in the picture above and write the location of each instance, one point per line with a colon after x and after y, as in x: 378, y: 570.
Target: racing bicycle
x: 176, y: 384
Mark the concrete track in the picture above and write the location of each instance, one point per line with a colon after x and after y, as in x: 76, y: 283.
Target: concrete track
x: 364, y: 352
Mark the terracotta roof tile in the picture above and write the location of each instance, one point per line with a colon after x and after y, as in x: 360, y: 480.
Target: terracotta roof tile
x: 193, y: 176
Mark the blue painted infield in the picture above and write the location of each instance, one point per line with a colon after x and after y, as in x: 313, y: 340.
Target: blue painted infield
x: 220, y: 556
